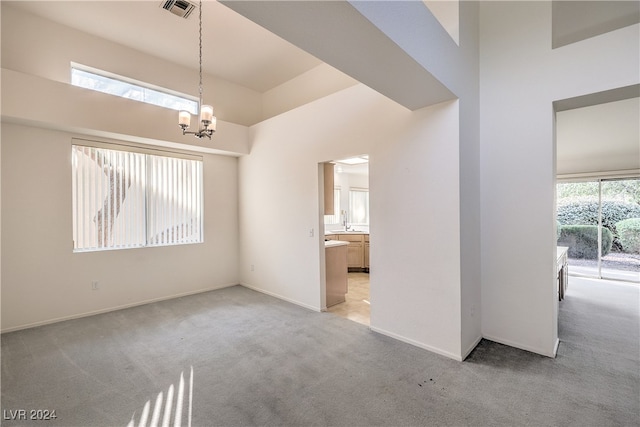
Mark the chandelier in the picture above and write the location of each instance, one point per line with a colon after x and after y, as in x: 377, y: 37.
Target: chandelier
x: 207, y: 119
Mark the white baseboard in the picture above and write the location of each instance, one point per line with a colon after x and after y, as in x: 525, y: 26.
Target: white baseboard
x: 522, y: 346
x: 471, y: 347
x: 418, y: 344
x: 107, y: 310
x: 273, y: 294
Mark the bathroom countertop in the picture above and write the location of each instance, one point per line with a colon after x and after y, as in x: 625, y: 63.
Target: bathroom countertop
x: 332, y: 243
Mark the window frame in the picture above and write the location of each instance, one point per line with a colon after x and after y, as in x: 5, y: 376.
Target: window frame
x: 144, y: 224
x: 191, y: 103
x: 359, y: 190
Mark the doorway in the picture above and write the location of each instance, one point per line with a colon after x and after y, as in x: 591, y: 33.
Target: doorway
x: 350, y: 223
x: 597, y: 161
x: 598, y: 183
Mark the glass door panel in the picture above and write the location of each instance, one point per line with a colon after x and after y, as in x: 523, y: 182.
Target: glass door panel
x: 578, y: 216
x: 621, y: 217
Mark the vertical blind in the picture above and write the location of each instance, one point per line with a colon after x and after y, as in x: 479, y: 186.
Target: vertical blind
x: 359, y: 207
x: 124, y: 199
x: 174, y: 201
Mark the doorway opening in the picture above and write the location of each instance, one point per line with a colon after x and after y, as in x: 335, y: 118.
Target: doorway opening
x: 349, y: 223
x: 597, y: 185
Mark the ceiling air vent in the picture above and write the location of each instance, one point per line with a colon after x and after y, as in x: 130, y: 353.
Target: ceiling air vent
x: 182, y: 8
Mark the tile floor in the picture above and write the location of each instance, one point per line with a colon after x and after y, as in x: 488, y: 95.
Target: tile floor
x: 356, y: 307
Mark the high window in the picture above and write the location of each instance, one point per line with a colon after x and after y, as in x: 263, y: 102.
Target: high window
x: 128, y: 198
x: 123, y: 87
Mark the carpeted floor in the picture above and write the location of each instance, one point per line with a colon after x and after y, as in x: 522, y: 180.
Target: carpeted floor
x: 259, y: 361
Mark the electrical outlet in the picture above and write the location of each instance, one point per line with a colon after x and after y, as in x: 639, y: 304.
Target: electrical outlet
x: 95, y: 285
x: 311, y: 232
x: 252, y: 267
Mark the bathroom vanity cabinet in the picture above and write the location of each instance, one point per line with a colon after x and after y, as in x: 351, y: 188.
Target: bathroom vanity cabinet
x: 358, y: 249
x: 336, y: 271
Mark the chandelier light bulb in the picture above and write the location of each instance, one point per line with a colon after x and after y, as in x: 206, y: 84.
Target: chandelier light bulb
x: 206, y: 114
x: 184, y: 119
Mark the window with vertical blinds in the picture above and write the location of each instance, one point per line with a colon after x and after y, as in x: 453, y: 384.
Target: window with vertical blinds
x: 128, y: 199
x: 359, y: 206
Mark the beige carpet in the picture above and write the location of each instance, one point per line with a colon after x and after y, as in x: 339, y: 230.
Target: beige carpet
x: 247, y: 359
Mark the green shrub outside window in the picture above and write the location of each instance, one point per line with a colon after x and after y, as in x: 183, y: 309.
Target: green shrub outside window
x: 585, y: 212
x: 582, y: 240
x: 629, y: 234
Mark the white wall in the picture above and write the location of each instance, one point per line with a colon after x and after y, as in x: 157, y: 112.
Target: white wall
x: 466, y: 85
x: 64, y: 107
x: 455, y: 63
x: 416, y: 282
x: 357, y: 180
x: 43, y: 280
x: 315, y: 83
x: 520, y: 78
x: 413, y: 177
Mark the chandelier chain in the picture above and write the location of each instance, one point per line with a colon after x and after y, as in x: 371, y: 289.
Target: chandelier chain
x: 207, y: 125
x: 200, y: 52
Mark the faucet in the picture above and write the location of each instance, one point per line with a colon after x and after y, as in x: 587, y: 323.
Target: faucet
x: 346, y: 226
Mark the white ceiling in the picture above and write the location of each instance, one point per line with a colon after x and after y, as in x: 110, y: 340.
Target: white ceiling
x: 577, y: 20
x: 234, y: 48
x: 599, y: 138
x: 238, y: 50
x: 361, y: 169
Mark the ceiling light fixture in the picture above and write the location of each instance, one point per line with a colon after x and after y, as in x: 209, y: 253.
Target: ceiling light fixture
x: 207, y: 119
x: 354, y: 160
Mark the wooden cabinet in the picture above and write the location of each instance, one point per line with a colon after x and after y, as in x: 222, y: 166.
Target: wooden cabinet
x: 358, y: 249
x: 329, y: 208
x: 355, y: 250
x: 366, y: 252
x: 354, y: 255
x: 336, y: 274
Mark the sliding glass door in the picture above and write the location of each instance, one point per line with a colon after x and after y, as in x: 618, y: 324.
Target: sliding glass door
x: 621, y: 215
x: 599, y: 220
